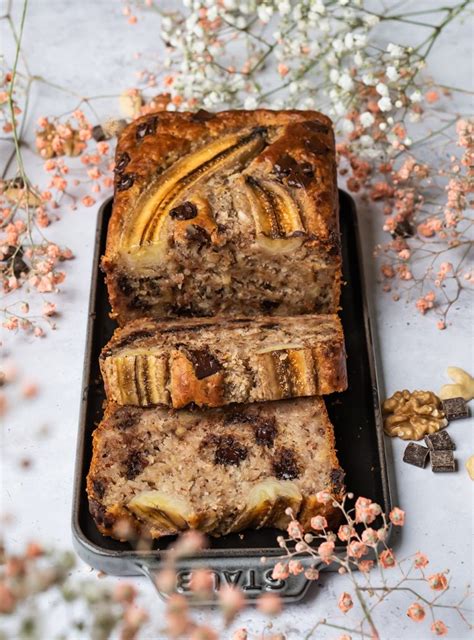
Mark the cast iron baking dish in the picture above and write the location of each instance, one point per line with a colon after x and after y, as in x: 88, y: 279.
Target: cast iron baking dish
x: 355, y: 414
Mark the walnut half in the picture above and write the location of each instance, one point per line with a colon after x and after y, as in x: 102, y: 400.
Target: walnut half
x: 411, y: 415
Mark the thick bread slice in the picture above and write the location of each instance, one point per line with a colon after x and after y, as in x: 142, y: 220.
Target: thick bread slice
x: 231, y: 213
x: 156, y: 472
x: 214, y: 362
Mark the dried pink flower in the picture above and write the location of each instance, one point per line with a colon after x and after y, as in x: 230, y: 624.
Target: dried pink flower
x: 416, y: 612
x: 270, y: 604
x: 387, y: 559
x: 439, y: 628
x: 438, y: 582
x: 326, y: 550
x: 295, y: 567
x: 280, y: 571
x: 397, y: 516
x: 345, y: 602
x: 318, y: 523
x: 295, y: 530
x: 421, y: 560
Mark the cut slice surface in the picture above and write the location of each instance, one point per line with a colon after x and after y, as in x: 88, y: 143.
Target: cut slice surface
x: 214, y: 362
x: 156, y: 472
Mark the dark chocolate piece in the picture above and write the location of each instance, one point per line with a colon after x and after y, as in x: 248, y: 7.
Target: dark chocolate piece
x: 455, y: 408
x: 317, y: 127
x: 98, y: 133
x: 185, y: 211
x: 202, y: 116
x: 442, y: 461
x: 146, y: 128
x: 265, y: 432
x: 135, y: 464
x: 204, y: 363
x: 125, y: 181
x: 440, y: 441
x: 285, y: 466
x: 416, y: 455
x: 122, y: 162
x: 297, y: 175
x: 198, y: 234
x: 229, y: 451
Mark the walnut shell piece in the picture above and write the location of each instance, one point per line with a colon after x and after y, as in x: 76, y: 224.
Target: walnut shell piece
x: 411, y: 415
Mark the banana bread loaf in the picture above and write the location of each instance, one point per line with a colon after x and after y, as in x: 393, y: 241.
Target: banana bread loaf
x: 156, y: 472
x: 213, y: 362
x: 231, y: 213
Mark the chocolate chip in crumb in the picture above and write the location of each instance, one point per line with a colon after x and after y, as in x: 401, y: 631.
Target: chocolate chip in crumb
x: 205, y: 364
x: 125, y: 181
x: 197, y: 234
x: 284, y: 465
x: 135, y: 464
x: 185, y: 211
x: 99, y: 488
x: 230, y: 452
x: 122, y: 162
x: 266, y: 432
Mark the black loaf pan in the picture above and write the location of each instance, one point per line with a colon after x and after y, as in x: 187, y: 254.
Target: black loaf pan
x: 355, y: 414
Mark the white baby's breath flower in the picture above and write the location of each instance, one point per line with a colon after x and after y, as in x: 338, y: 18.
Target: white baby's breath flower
x: 399, y: 104
x: 318, y: 7
x: 284, y: 7
x: 264, y: 13
x: 385, y: 104
x: 347, y: 126
x: 358, y: 59
x: 408, y: 141
x: 381, y: 89
x: 343, y: 3
x: 334, y: 76
x: 349, y: 41
x: 383, y: 126
x: 360, y: 40
x: 338, y: 45
x: 392, y: 73
x: 371, y: 20
x: 346, y: 82
x: 395, y: 50
x: 415, y: 96
x: 366, y: 119
x: 366, y: 141
x: 368, y: 79
x: 250, y: 103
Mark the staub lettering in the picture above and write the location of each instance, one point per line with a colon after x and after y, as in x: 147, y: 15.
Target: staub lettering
x: 250, y: 580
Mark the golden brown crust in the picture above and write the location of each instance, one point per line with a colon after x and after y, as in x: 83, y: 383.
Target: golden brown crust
x: 212, y: 362
x: 155, y: 142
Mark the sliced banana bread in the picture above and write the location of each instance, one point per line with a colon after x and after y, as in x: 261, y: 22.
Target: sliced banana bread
x: 156, y: 472
x: 231, y: 213
x: 213, y: 362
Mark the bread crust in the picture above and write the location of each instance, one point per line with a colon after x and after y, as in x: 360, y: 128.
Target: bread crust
x: 306, y: 136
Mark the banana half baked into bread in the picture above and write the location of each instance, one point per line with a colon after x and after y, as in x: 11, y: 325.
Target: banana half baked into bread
x: 232, y: 213
x: 214, y: 362
x: 156, y: 472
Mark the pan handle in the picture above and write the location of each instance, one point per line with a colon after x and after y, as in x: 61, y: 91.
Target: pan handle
x: 249, y: 574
